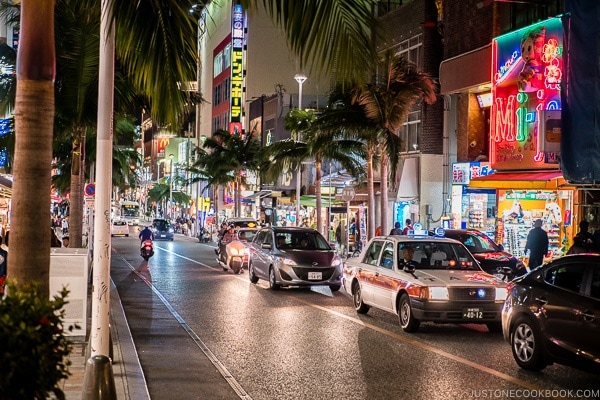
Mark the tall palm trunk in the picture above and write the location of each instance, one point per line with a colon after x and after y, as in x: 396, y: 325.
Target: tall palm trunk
x: 238, y: 195
x: 318, y: 197
x: 34, y: 115
x: 371, y: 196
x: 76, y: 194
x: 384, y: 193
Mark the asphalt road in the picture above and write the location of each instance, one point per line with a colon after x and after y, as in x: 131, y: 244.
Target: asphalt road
x: 202, y: 333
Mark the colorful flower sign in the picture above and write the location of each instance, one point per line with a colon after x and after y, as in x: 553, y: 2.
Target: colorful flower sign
x: 526, y: 81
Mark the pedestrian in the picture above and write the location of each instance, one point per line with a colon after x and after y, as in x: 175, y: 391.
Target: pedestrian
x: 396, y: 229
x: 378, y: 231
x: 65, y: 241
x: 407, y: 227
x: 584, y: 238
x: 338, y: 234
x: 65, y: 226
x: 537, y: 244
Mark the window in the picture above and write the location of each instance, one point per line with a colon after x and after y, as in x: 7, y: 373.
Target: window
x: 387, y: 256
x: 409, y: 135
x: 566, y: 277
x: 372, y: 254
x: 218, y: 64
x: 410, y: 49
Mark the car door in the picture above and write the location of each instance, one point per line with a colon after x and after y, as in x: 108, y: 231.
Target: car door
x: 367, y: 271
x: 259, y: 257
x: 561, y: 302
x: 385, y: 279
x: 590, y: 314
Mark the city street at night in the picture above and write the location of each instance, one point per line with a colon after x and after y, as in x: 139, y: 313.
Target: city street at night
x: 201, y: 332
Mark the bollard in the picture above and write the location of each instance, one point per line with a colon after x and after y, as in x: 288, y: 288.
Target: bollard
x: 99, y: 382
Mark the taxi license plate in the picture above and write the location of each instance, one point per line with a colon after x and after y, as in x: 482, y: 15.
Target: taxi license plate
x: 316, y: 276
x: 472, y: 313
x: 120, y: 232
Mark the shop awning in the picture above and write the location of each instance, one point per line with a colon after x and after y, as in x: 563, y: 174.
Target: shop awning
x: 258, y: 195
x: 408, y: 188
x: 520, y: 180
x: 311, y: 201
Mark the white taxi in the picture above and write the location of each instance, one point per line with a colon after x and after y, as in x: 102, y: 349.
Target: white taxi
x: 424, y: 278
x: 119, y: 228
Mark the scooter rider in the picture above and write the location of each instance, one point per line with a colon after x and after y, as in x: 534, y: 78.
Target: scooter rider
x: 146, y: 234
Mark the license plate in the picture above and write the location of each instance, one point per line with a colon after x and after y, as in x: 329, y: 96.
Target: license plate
x: 120, y: 232
x: 472, y: 313
x: 163, y: 235
x: 317, y: 276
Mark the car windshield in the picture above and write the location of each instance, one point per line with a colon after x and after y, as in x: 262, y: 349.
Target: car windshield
x: 246, y: 234
x: 437, y: 255
x: 120, y: 223
x: 161, y: 225
x: 302, y: 241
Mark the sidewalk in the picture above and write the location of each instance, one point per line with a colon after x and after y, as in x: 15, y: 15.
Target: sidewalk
x: 130, y: 383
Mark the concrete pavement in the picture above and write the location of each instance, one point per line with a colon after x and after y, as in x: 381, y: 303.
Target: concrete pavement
x: 130, y: 383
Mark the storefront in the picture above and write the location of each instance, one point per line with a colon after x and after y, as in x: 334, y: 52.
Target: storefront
x: 523, y: 197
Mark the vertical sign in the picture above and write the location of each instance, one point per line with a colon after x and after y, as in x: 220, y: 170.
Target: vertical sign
x: 237, y: 68
x: 527, y: 70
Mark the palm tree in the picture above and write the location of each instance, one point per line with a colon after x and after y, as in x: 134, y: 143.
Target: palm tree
x: 225, y: 158
x: 316, y: 144
x: 340, y: 43
x: 387, y: 102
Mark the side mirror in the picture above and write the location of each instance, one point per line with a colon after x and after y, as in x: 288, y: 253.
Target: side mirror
x: 409, y: 268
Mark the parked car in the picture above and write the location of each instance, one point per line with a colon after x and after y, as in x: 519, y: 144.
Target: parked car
x: 442, y: 283
x: 162, y: 229
x: 552, y: 314
x: 292, y: 256
x: 491, y: 256
x: 119, y: 227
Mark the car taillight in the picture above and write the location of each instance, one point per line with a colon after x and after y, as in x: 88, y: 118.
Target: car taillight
x: 510, y: 286
x: 2, y: 279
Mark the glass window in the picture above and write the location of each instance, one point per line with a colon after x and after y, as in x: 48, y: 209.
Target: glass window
x: 218, y: 64
x: 410, y: 49
x: 387, y: 256
x: 227, y: 56
x: 595, y: 286
x: 566, y: 277
x: 372, y: 254
x: 409, y: 135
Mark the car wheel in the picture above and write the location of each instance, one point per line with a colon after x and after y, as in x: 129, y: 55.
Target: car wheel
x: 408, y: 322
x: 335, y: 288
x: 272, y: 281
x: 526, y: 344
x: 494, y: 327
x: 251, y: 275
x: 357, y: 299
x: 126, y: 235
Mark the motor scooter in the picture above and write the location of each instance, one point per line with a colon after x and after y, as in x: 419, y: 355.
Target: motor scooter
x: 146, y: 249
x: 233, y: 256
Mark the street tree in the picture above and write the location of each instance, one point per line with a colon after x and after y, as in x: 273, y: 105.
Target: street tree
x: 156, y: 46
x: 316, y: 144
x: 226, y: 158
x: 399, y: 85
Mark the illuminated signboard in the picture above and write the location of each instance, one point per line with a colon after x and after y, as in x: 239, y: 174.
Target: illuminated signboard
x: 237, y: 68
x: 526, y: 81
x: 462, y: 173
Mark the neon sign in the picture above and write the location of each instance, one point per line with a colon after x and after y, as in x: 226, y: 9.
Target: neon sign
x: 237, y: 68
x: 526, y: 80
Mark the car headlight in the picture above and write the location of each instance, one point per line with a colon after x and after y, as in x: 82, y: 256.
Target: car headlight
x: 171, y: 230
x: 336, y: 262
x: 501, y: 293
x: 287, y: 261
x: 432, y: 293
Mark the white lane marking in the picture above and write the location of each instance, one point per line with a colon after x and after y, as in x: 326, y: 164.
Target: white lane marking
x: 397, y: 336
x: 235, y: 385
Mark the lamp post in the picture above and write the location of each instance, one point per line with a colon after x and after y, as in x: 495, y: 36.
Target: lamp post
x: 300, y: 78
x: 157, y: 182
x: 171, y: 187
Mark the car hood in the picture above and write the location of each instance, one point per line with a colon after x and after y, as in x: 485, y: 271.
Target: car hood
x: 322, y: 258
x: 495, y: 259
x: 453, y: 278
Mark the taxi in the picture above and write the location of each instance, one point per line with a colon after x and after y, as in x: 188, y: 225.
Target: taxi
x: 424, y: 278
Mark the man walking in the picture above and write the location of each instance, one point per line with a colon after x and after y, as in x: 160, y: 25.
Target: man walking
x: 537, y: 244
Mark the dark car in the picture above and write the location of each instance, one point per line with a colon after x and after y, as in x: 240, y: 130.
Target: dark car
x: 292, y: 256
x: 242, y: 222
x: 552, y: 314
x: 491, y: 256
x: 162, y: 229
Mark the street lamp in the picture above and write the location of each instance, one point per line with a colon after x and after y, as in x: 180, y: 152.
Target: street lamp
x: 171, y: 186
x: 300, y: 78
